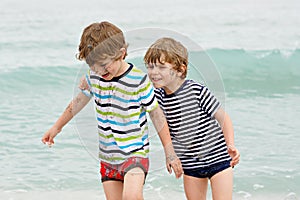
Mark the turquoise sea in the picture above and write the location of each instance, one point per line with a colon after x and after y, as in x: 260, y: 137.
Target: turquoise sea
x: 250, y: 57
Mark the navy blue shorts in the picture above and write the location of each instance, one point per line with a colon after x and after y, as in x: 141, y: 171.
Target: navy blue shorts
x: 207, y: 172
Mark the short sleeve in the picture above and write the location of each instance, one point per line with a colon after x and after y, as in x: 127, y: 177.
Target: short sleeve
x: 208, y: 102
x: 87, y: 84
x: 147, y: 95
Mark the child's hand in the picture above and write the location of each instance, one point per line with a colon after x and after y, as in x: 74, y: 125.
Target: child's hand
x: 234, y: 154
x: 173, y: 161
x: 48, y: 137
x: 83, y: 85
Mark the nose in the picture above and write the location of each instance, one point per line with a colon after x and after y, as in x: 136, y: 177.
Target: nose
x: 99, y: 70
x: 155, y: 70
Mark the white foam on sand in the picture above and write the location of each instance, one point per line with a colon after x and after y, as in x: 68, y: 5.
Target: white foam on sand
x: 149, y: 194
x: 50, y: 195
x: 83, y: 195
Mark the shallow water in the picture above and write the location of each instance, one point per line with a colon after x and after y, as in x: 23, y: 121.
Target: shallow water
x: 254, y: 51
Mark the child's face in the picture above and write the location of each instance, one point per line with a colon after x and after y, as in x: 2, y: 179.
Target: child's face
x: 108, y: 68
x: 163, y: 75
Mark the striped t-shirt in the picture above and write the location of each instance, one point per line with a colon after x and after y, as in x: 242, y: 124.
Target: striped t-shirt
x: 121, y: 105
x: 196, y: 135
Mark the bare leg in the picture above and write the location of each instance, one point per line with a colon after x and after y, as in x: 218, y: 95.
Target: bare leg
x: 133, y: 184
x: 195, y: 188
x: 113, y: 190
x: 222, y: 184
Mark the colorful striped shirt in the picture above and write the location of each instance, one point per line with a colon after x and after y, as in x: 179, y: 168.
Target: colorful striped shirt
x: 196, y: 135
x: 121, y: 105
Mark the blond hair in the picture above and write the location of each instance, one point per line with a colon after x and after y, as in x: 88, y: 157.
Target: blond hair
x: 168, y: 50
x: 100, y: 41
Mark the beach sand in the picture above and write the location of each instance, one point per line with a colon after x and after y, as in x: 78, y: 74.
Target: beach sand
x: 82, y: 195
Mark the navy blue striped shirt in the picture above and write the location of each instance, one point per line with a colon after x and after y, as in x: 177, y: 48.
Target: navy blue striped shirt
x: 196, y: 135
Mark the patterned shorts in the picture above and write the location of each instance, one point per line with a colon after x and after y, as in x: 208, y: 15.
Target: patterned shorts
x: 118, y: 171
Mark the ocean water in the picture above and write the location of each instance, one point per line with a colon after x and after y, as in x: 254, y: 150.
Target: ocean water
x: 247, y: 52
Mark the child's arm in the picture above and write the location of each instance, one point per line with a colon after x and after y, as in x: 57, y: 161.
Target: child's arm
x: 161, y: 126
x: 226, y: 124
x: 73, y: 108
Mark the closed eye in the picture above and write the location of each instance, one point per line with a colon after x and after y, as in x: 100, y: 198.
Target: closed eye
x: 104, y: 65
x: 149, y: 66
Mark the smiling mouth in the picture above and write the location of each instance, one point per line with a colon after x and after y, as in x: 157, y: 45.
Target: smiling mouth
x: 155, y: 79
x: 105, y: 75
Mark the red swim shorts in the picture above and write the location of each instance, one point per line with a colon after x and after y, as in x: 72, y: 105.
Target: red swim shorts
x: 117, y: 172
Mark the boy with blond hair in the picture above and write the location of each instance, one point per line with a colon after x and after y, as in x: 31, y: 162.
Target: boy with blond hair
x: 122, y: 94
x: 201, y: 131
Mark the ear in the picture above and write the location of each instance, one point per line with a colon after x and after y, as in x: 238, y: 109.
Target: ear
x: 123, y: 53
x: 181, y: 70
